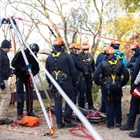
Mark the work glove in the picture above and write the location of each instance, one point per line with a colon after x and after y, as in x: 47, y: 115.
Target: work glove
x: 75, y: 84
x: 133, y: 87
x: 12, y: 71
x: 2, y: 85
x: 26, y: 67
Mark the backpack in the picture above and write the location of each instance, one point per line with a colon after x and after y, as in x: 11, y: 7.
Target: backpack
x: 29, y: 121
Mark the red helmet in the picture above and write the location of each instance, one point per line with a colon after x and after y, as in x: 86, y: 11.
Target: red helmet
x: 136, y: 93
x: 85, y: 46
x: 74, y: 46
x: 58, y: 41
x: 109, y: 50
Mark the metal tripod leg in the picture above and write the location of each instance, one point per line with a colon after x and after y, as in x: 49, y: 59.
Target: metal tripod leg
x: 20, y: 41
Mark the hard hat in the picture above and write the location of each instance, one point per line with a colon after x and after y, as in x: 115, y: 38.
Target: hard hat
x: 74, y: 46
x: 115, y: 44
x: 136, y: 92
x: 58, y: 41
x: 34, y: 47
x: 109, y: 50
x: 85, y: 46
x: 106, y: 43
x: 134, y: 46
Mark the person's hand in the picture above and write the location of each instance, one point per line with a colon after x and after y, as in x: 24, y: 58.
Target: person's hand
x: 75, y: 84
x: 133, y: 86
x: 2, y: 85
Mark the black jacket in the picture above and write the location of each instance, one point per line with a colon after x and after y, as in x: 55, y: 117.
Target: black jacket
x: 77, y: 63
x: 19, y: 64
x: 64, y: 64
x: 88, y: 62
x: 104, y: 71
x: 136, y: 71
x: 4, y: 66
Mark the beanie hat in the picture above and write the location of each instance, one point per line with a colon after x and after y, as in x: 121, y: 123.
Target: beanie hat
x: 85, y: 45
x: 6, y: 44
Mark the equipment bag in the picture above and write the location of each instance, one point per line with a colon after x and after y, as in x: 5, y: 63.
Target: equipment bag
x: 92, y: 116
x: 136, y: 92
x: 29, y: 121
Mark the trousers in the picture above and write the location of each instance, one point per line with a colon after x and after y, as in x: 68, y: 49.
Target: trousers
x: 5, y: 100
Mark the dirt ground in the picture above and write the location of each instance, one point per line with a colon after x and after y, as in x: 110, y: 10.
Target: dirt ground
x: 37, y: 133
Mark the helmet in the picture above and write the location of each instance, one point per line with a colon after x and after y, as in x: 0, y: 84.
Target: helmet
x: 106, y: 43
x: 74, y: 46
x: 115, y: 44
x: 85, y: 46
x: 134, y: 46
x: 34, y: 47
x: 58, y: 41
x: 136, y: 92
x: 109, y: 50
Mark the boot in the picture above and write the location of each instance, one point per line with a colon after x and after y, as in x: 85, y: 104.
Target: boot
x: 32, y: 114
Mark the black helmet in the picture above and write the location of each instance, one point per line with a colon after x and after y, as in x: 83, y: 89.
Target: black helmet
x: 34, y: 47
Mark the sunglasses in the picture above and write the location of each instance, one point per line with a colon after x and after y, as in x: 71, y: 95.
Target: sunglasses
x: 85, y: 49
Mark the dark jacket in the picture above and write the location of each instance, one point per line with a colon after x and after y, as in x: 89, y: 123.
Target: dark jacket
x: 104, y: 70
x: 89, y: 64
x: 77, y: 63
x: 4, y: 66
x: 19, y: 64
x: 131, y: 64
x: 64, y: 64
x: 137, y: 69
x: 100, y: 58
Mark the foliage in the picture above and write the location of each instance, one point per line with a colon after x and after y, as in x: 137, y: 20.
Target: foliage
x: 131, y: 5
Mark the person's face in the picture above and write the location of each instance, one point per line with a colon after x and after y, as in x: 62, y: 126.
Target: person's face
x: 75, y: 51
x: 6, y: 49
x: 109, y: 56
x: 85, y: 51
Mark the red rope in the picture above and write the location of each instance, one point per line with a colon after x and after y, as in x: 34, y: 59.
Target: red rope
x: 83, y: 129
x: 111, y: 39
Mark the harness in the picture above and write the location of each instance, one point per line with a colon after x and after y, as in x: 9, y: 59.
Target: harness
x: 119, y: 56
x: 57, y: 74
x: 86, y: 62
x: 113, y: 64
x: 112, y: 78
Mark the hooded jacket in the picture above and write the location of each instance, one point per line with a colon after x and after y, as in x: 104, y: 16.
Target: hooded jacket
x: 119, y: 54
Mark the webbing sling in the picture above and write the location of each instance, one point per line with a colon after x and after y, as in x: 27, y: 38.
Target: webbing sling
x: 55, y: 55
x: 113, y: 64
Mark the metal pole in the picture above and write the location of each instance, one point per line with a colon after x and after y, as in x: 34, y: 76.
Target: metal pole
x: 29, y: 69
x: 46, y: 93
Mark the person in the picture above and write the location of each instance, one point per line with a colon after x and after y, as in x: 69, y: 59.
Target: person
x: 74, y: 51
x: 100, y: 58
x: 136, y: 95
x: 87, y: 58
x: 135, y: 102
x: 109, y: 76
x: 5, y: 71
x: 119, y: 54
x: 61, y: 66
x: 101, y: 55
x: 132, y: 62
x: 23, y: 78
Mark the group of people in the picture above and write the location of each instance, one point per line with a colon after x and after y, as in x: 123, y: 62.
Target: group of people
x: 112, y: 74
x: 21, y: 70
x: 75, y: 73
